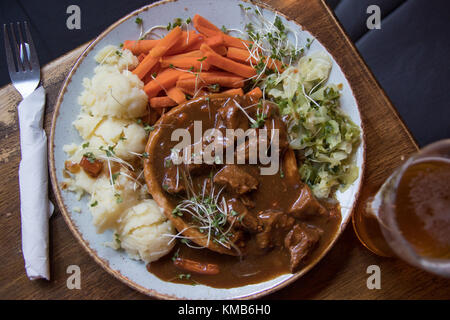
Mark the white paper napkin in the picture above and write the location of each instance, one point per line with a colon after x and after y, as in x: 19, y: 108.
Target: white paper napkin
x: 35, y: 208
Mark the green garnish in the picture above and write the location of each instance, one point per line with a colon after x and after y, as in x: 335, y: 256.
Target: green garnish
x: 185, y: 241
x: 145, y: 155
x: 186, y: 276
x: 259, y: 121
x: 176, y: 255
x: 117, y: 238
x: 167, y: 163
x: 93, y: 204
x: 177, y: 212
x: 90, y: 156
x: 138, y: 21
x: 85, y: 145
x: 114, y: 176
x: 109, y: 152
x: 201, y: 59
x: 148, y: 128
x: 118, y: 198
x: 214, y: 87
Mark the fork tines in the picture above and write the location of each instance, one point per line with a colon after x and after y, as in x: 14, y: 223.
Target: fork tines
x: 24, y: 51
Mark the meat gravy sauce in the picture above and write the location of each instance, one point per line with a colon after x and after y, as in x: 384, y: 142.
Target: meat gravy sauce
x: 275, y: 224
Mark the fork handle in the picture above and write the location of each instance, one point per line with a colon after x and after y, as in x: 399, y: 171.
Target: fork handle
x: 33, y: 180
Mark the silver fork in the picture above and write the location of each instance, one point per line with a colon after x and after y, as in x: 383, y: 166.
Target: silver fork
x: 23, y: 66
x: 25, y: 74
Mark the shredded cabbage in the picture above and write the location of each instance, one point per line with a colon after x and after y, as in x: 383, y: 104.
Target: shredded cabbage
x: 323, y: 135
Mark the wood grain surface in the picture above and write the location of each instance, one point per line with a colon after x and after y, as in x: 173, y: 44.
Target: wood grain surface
x: 340, y: 275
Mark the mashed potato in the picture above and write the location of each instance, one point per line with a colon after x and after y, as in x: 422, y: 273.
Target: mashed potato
x: 119, y: 200
x: 142, y: 232
x: 114, y: 91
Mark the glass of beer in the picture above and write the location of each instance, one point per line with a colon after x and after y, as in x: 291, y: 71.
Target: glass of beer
x: 411, y: 212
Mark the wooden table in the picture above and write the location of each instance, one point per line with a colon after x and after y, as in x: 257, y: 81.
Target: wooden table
x: 340, y: 275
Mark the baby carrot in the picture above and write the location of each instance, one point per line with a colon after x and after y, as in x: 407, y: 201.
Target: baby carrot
x: 176, y: 95
x: 230, y: 65
x: 163, y: 81
x: 158, y: 51
x: 162, y: 102
x: 140, y: 46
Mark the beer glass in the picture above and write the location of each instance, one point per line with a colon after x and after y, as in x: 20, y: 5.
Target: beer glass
x: 409, y: 217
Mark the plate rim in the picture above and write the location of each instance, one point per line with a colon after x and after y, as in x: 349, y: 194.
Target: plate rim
x: 104, y: 263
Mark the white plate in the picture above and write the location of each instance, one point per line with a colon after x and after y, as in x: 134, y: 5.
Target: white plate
x: 134, y: 273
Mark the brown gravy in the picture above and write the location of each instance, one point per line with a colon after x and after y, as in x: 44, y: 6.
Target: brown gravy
x: 234, y: 271
x: 275, y: 192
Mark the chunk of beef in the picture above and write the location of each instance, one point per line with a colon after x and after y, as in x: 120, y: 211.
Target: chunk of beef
x: 275, y: 225
x: 290, y: 167
x: 245, y: 199
x: 93, y: 167
x: 276, y: 123
x: 299, y: 241
x: 248, y: 150
x: 172, y: 182
x: 231, y: 116
x: 239, y: 216
x: 269, y: 109
x: 197, y: 168
x: 236, y: 179
x: 307, y: 205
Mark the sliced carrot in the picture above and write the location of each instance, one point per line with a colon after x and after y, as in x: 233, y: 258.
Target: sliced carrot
x: 158, y: 51
x: 193, y: 53
x: 207, y: 28
x: 215, y: 41
x: 233, y: 92
x: 241, y: 55
x: 236, y: 42
x: 165, y: 80
x: 227, y: 64
x: 244, y: 56
x: 162, y: 102
x: 198, y: 20
x: 176, y: 95
x: 140, y: 46
x: 186, y: 42
x: 196, y: 266
x: 141, y: 57
x: 145, y: 66
x: 190, y: 83
x: 166, y: 43
x: 255, y: 93
x: 224, y: 79
x: 194, y: 63
x: 222, y: 50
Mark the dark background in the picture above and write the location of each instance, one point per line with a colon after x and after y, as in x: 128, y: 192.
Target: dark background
x: 409, y: 55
